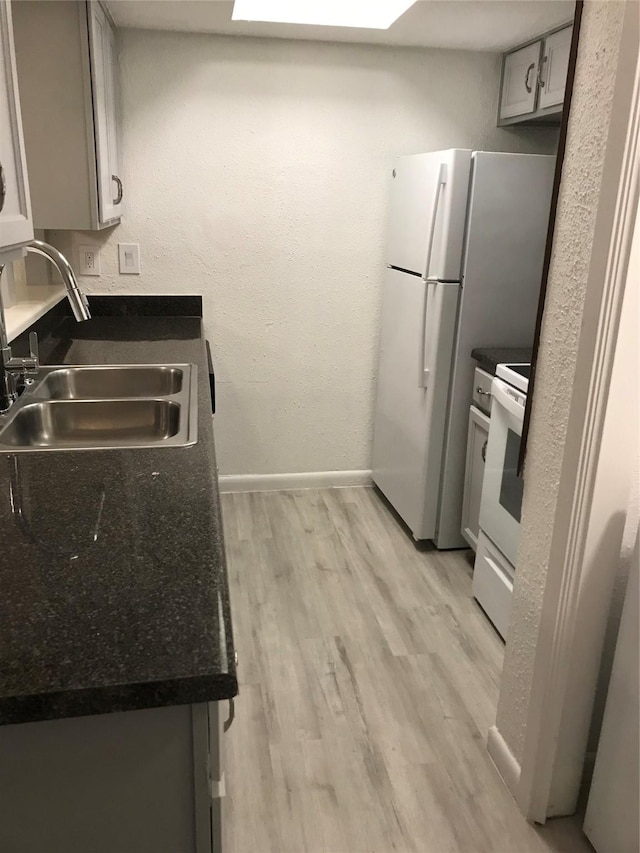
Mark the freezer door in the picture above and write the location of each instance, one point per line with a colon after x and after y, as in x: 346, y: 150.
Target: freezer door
x: 427, y: 212
x: 418, y: 324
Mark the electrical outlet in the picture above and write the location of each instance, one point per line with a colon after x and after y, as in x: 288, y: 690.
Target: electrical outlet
x: 129, y: 258
x: 89, y: 260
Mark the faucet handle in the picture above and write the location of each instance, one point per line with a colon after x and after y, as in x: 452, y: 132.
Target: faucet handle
x: 31, y: 364
x: 34, y: 349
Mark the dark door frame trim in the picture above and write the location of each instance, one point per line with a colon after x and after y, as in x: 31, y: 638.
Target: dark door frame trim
x: 557, y: 178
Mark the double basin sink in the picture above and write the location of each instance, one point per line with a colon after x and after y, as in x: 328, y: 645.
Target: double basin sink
x: 104, y: 407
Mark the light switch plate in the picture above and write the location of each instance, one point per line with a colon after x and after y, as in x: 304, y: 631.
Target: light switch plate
x: 89, y: 260
x: 129, y: 258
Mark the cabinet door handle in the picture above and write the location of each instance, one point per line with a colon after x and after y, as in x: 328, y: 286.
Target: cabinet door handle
x: 118, y: 198
x: 3, y: 187
x: 542, y: 82
x: 527, y: 85
x: 483, y: 452
x: 482, y: 392
x: 232, y: 716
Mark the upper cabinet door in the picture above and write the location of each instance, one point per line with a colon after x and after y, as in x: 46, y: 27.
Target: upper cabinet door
x: 16, y: 226
x: 105, y: 100
x: 553, y: 71
x: 519, y: 82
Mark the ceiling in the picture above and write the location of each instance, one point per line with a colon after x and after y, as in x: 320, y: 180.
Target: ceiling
x: 494, y: 25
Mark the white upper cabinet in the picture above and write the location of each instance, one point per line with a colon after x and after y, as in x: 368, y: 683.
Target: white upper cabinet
x: 519, y: 83
x: 534, y: 79
x: 555, y: 64
x: 16, y: 226
x: 67, y: 71
x: 104, y: 83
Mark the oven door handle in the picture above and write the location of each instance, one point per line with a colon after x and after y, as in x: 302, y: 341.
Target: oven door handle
x: 504, y: 399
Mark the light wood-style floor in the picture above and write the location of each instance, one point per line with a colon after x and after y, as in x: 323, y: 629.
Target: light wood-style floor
x: 368, y: 681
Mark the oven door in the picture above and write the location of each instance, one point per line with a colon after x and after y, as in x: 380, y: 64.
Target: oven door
x: 501, y: 502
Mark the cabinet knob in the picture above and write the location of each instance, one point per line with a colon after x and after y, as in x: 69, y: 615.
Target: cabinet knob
x: 527, y: 85
x: 3, y: 187
x: 118, y: 198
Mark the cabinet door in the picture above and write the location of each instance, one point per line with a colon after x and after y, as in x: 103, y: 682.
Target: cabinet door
x: 519, y: 81
x: 476, y: 448
x: 16, y: 226
x: 209, y: 781
x: 553, y: 71
x: 216, y: 772
x: 105, y: 90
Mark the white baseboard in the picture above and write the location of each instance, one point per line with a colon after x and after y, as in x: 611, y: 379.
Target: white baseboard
x: 305, y: 480
x: 504, y: 760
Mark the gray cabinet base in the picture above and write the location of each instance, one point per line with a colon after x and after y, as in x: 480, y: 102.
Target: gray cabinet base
x: 131, y: 782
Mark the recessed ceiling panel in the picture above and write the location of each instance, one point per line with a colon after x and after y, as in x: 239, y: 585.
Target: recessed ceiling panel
x: 494, y: 25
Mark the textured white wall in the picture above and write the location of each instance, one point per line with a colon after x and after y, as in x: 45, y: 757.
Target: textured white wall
x: 256, y: 173
x: 623, y: 406
x: 582, y: 175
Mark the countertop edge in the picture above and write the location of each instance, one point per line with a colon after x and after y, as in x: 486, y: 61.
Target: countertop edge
x: 125, y: 697
x: 488, y: 358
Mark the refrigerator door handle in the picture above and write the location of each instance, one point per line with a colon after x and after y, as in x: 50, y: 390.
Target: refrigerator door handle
x: 442, y: 180
x: 429, y: 304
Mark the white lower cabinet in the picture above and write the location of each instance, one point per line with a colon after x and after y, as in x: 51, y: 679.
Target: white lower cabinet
x: 477, y: 438
x: 147, y: 781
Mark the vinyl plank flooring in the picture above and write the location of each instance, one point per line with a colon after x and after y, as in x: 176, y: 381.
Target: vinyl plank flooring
x: 369, y: 678
x: 250, y: 822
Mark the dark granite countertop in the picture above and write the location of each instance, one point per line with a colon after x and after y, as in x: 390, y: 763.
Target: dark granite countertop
x: 489, y: 358
x: 113, y: 582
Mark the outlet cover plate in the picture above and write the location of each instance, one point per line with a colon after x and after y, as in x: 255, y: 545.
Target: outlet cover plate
x: 89, y: 257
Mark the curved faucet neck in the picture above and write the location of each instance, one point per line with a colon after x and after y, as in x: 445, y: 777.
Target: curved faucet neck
x: 14, y: 371
x: 77, y: 299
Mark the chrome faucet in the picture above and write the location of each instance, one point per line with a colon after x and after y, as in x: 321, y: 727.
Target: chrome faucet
x: 78, y: 300
x: 14, y: 371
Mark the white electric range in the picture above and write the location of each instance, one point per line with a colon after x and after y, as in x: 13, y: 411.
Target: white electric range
x: 502, y: 490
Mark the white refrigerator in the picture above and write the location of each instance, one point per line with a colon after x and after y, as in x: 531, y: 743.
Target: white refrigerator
x: 465, y: 245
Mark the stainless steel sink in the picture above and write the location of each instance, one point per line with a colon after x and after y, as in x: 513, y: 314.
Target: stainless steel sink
x: 78, y: 383
x: 93, y: 423
x: 99, y: 407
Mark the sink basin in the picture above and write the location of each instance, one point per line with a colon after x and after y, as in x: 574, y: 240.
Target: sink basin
x: 107, y: 406
x: 77, y: 383
x: 93, y: 423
